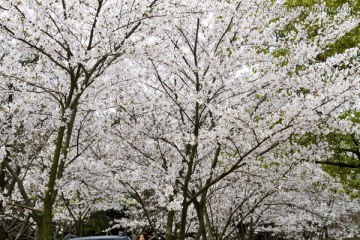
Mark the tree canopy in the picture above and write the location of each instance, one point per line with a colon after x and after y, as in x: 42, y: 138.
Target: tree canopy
x: 203, y: 119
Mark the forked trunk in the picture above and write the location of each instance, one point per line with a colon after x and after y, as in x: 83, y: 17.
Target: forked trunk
x: 45, y: 229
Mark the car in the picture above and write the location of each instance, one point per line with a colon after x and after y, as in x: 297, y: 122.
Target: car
x: 102, y: 238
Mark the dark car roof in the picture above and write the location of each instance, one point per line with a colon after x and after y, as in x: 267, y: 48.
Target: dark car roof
x: 101, y: 238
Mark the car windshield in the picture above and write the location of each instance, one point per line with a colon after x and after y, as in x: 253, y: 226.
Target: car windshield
x: 100, y: 238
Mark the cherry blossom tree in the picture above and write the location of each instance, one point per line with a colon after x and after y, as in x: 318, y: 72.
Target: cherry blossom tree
x: 186, y: 107
x: 57, y: 57
x: 218, y: 93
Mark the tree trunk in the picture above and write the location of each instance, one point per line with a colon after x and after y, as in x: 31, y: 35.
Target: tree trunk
x: 169, y: 225
x: 208, y: 225
x: 200, y: 213
x: 2, y: 233
x: 79, y: 230
x: 183, y: 220
x: 200, y: 210
x: 45, y: 221
x: 45, y: 224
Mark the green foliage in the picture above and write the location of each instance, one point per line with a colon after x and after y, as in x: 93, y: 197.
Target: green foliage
x: 353, y: 117
x: 345, y: 148
x: 302, y: 91
x: 100, y: 220
x: 279, y: 121
x: 330, y: 4
x: 271, y: 164
x: 306, y: 140
x: 344, y: 162
x: 97, y: 222
x: 350, y: 40
x: 349, y: 177
x: 280, y: 52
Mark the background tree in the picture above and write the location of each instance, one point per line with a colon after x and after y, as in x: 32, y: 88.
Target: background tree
x: 175, y: 102
x: 57, y: 56
x: 220, y: 94
x: 341, y: 157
